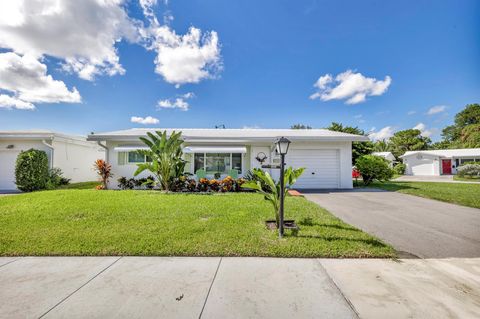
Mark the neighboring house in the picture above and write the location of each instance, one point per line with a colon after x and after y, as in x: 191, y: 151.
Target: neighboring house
x: 74, y: 155
x: 326, y: 155
x: 438, y: 162
x: 386, y: 155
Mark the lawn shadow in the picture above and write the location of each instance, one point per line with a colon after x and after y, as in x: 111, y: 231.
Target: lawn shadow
x: 372, y: 242
x: 308, y: 221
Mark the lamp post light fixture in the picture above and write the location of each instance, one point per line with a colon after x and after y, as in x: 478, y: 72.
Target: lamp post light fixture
x: 281, y: 146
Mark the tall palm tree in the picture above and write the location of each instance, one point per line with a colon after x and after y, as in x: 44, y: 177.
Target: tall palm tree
x: 165, y: 157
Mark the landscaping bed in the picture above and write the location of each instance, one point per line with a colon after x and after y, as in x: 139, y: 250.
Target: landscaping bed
x: 90, y: 222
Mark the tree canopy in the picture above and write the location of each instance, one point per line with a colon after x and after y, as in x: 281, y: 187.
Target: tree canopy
x: 358, y: 148
x: 408, y: 140
x: 465, y: 130
x: 300, y: 127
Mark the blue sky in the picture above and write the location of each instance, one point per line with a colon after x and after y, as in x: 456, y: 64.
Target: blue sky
x: 271, y: 53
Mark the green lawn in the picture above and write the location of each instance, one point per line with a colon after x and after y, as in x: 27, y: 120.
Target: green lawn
x: 81, y: 185
x: 457, y: 193
x: 90, y: 222
x: 466, y: 179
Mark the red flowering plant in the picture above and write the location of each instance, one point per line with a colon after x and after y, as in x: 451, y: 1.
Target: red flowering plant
x: 104, y: 170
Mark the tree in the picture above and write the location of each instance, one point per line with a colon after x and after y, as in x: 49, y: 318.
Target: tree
x: 408, y: 140
x: 373, y: 168
x: 459, y: 134
x: 470, y: 136
x: 165, y: 157
x: 272, y: 190
x: 358, y: 148
x: 382, y: 146
x: 300, y: 127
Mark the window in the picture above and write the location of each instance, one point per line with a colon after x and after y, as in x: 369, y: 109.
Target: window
x: 466, y: 160
x: 198, y: 162
x: 134, y: 157
x: 217, y: 162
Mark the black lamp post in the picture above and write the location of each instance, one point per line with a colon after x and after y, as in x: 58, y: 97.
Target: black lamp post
x: 282, y: 149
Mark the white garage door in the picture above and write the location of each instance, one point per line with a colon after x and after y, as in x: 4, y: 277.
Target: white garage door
x: 422, y: 167
x: 322, y: 168
x: 7, y: 169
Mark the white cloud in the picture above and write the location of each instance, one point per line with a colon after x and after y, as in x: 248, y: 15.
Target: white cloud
x: 181, y: 59
x: 349, y: 86
x: 26, y: 79
x: 81, y: 33
x: 411, y: 112
x: 436, y: 109
x: 9, y: 102
x: 424, y: 131
x: 177, y: 103
x: 144, y: 120
x: 384, y: 134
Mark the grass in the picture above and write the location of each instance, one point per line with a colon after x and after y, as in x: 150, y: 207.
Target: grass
x: 456, y: 193
x: 90, y: 222
x: 466, y: 179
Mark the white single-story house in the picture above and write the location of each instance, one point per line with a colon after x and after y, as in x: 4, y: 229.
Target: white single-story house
x: 326, y: 155
x: 386, y: 155
x: 438, y: 162
x: 74, y: 155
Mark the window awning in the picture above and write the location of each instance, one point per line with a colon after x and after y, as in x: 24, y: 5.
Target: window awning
x: 215, y: 149
x: 130, y: 148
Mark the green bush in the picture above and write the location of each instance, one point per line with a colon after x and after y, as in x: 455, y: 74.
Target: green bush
x: 469, y: 170
x: 399, y: 169
x: 31, y: 170
x: 56, y: 178
x: 372, y: 168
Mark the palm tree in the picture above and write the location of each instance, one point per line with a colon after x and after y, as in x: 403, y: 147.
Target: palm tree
x: 264, y: 184
x: 164, y: 157
x: 382, y: 146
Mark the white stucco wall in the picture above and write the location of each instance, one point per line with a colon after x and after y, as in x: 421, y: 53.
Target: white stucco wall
x: 76, y: 158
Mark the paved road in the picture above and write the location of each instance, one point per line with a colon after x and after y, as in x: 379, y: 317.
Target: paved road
x: 162, y: 287
x: 423, y: 227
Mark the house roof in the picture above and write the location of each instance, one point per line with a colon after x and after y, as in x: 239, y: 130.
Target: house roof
x: 387, y: 155
x: 463, y: 152
x: 36, y: 135
x: 239, y: 135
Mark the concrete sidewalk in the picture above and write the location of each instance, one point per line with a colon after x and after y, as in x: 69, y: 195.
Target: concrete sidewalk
x: 153, y: 287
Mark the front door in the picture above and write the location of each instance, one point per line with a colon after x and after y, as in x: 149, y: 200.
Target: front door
x: 446, y: 166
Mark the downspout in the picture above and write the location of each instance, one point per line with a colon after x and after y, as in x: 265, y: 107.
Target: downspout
x: 44, y: 142
x: 106, y: 150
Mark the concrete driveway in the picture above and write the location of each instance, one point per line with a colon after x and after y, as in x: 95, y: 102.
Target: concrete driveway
x: 422, y: 227
x: 163, y: 287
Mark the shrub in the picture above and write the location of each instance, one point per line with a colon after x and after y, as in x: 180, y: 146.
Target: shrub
x: 31, y: 170
x: 399, y: 169
x: 374, y: 168
x: 104, y: 170
x: 126, y: 183
x: 56, y: 178
x: 469, y: 170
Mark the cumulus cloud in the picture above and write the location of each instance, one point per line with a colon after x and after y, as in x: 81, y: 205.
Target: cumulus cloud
x: 180, y: 102
x: 181, y: 59
x: 83, y: 33
x: 424, y: 131
x: 144, y: 120
x: 436, y: 109
x: 27, y: 81
x: 384, y: 134
x: 349, y: 86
